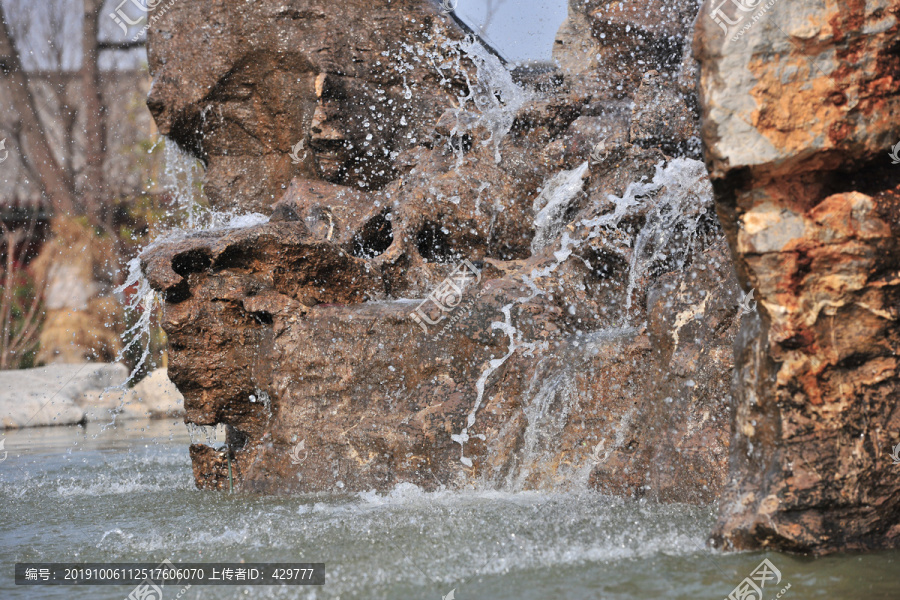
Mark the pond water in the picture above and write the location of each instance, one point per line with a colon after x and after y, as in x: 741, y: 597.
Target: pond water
x: 126, y: 494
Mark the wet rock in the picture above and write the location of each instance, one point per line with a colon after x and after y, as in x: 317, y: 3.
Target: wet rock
x: 798, y: 121
x: 515, y: 297
x: 585, y: 133
x: 335, y: 213
x: 532, y: 381
x: 604, y: 47
x: 242, y: 93
x: 661, y: 118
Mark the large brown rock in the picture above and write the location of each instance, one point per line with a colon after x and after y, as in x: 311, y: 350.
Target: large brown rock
x: 800, y: 110
x: 539, y: 379
x: 242, y: 84
x: 588, y: 340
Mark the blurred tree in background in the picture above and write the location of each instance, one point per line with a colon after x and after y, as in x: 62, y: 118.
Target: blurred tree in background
x: 79, y: 193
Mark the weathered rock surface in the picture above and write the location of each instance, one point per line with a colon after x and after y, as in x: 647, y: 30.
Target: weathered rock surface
x: 800, y: 110
x: 604, y: 47
x: 242, y: 90
x: 376, y: 401
x: 574, y: 304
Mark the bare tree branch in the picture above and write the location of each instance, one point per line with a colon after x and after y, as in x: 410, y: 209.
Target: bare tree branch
x: 94, y: 113
x: 492, y: 7
x: 53, y: 179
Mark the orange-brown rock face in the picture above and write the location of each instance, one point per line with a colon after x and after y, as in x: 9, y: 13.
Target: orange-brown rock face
x: 800, y: 106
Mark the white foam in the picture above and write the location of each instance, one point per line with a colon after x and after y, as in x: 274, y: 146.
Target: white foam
x: 552, y: 204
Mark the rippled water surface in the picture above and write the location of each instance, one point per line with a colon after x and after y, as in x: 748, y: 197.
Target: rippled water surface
x: 126, y: 494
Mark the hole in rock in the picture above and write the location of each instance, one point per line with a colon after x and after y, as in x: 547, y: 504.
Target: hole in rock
x: 234, y: 438
x: 263, y: 318
x: 192, y: 261
x: 375, y: 237
x: 432, y: 243
x: 234, y: 257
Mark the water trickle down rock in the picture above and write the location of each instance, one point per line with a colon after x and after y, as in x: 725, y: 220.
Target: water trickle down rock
x: 799, y: 115
x: 554, y: 203
x: 313, y: 307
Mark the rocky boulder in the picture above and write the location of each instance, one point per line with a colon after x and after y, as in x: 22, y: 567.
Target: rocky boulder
x: 282, y: 90
x: 799, y: 108
x: 510, y: 294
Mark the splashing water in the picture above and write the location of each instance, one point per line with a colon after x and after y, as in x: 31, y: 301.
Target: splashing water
x: 404, y: 544
x: 211, y: 433
x: 515, y: 342
x: 552, y: 205
x: 547, y: 404
x: 492, y: 101
x: 144, y: 304
x: 183, y: 177
x: 682, y: 194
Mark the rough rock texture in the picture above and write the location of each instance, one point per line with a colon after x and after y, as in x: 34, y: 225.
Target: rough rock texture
x: 376, y: 399
x: 521, y: 299
x: 241, y: 84
x: 662, y: 117
x: 800, y: 108
x: 605, y: 46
